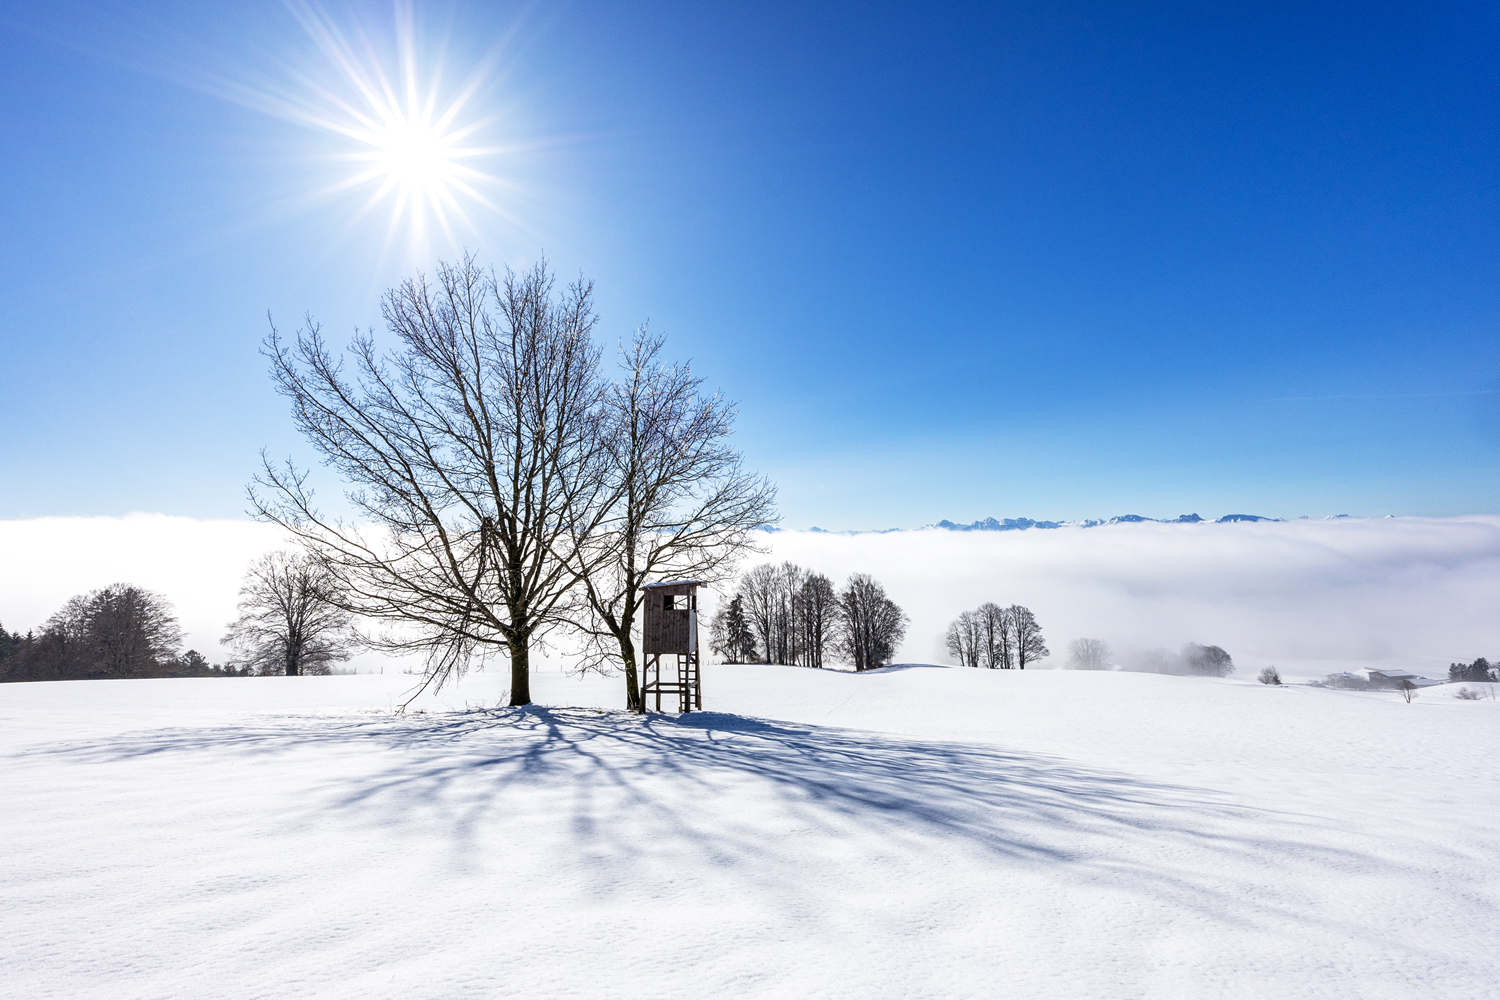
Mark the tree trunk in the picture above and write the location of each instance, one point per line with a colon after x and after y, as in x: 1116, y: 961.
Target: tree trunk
x: 520, y: 672
x: 633, y: 701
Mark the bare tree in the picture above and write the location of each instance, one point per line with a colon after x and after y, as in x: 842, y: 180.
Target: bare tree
x: 953, y: 642
x: 789, y: 580
x: 870, y: 623
x: 291, y: 620
x: 1026, y: 636
x: 774, y: 600
x: 1210, y: 661
x: 758, y: 592
x: 685, y: 508
x: 476, y: 461
x: 1088, y: 654
x: 994, y: 636
x: 817, y: 616
x: 798, y: 618
x: 964, y: 641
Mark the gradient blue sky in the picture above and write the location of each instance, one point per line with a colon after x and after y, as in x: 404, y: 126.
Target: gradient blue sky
x: 954, y: 261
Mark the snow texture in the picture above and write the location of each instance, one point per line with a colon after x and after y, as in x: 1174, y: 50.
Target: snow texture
x: 913, y: 832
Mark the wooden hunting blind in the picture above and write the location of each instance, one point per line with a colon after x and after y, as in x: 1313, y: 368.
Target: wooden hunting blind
x: 670, y: 634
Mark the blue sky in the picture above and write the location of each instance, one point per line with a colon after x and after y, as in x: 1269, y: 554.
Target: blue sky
x: 954, y: 261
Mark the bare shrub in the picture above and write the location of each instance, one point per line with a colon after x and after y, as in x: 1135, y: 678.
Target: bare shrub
x: 1269, y: 676
x: 1467, y: 694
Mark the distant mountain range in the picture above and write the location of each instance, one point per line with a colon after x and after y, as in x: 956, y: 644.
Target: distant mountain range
x: 1024, y: 523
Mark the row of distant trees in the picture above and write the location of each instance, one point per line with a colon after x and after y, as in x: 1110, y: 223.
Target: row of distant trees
x: 1193, y: 659
x: 1480, y: 670
x: 1002, y: 638
x: 788, y: 614
x: 117, y: 631
x: 290, y: 622
x: 996, y: 638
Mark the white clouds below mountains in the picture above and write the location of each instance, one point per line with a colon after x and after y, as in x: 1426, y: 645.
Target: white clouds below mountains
x: 1323, y: 594
x: 1421, y: 591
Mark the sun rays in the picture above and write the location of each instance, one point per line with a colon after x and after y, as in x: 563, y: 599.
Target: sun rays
x: 411, y: 144
x: 407, y: 136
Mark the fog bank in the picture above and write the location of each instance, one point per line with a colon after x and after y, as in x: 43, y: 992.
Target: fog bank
x: 1311, y: 596
x: 1338, y: 593
x: 197, y: 565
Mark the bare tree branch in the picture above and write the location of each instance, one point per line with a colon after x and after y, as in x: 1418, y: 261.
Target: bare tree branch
x: 684, y: 506
x: 475, y: 462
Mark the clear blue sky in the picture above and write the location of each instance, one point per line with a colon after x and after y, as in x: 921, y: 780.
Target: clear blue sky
x: 954, y: 261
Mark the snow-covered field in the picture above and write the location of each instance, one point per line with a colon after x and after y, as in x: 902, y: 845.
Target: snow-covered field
x: 915, y: 832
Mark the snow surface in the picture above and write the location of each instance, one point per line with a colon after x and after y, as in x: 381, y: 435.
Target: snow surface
x: 914, y: 832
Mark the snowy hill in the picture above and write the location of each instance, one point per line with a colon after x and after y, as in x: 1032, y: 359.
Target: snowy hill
x: 913, y: 832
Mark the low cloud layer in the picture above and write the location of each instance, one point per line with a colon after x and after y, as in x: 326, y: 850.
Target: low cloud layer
x: 1418, y: 592
x: 197, y: 565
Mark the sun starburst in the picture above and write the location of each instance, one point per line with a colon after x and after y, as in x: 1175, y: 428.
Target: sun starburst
x: 411, y: 141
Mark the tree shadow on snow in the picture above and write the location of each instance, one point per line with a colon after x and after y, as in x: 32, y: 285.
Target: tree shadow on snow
x: 684, y: 777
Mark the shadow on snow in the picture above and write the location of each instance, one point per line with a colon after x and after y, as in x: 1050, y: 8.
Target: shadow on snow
x: 686, y: 777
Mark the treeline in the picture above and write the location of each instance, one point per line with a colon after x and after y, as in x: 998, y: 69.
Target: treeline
x: 1194, y: 659
x: 996, y: 638
x: 787, y: 614
x: 1480, y: 670
x: 999, y: 638
x: 290, y: 622
x: 118, y: 631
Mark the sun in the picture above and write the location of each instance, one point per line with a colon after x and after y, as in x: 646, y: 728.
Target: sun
x: 415, y: 155
x: 409, y: 138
